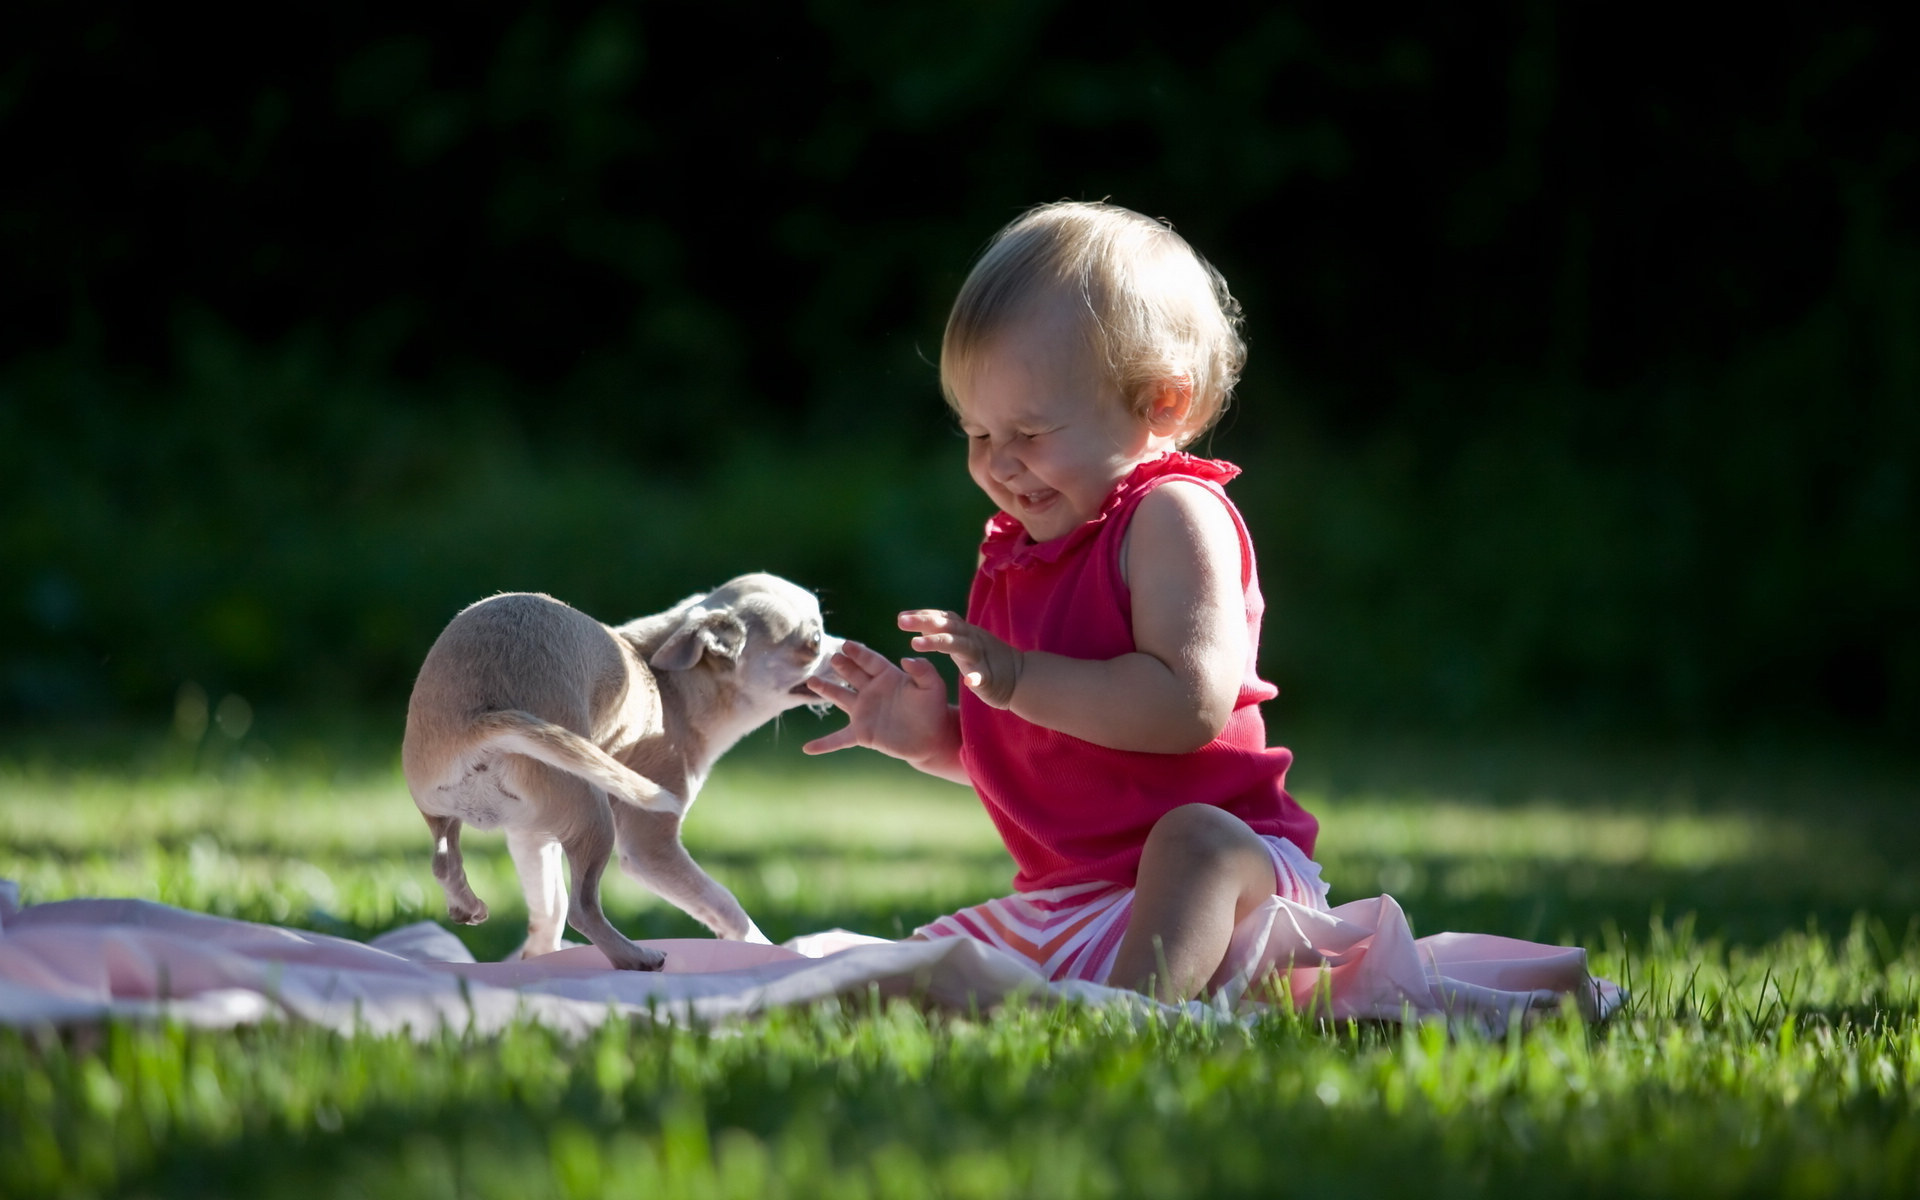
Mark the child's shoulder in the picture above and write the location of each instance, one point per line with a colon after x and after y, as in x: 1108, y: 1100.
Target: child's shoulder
x: 1176, y: 505
x: 1178, y: 464
x: 1182, y: 526
x: 1182, y: 482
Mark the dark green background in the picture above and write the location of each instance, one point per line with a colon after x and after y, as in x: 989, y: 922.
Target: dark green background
x: 1584, y: 388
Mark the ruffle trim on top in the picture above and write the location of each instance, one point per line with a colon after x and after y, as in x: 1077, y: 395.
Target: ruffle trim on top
x: 1008, y: 546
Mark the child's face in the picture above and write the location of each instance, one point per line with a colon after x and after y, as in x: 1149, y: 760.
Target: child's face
x: 1047, y: 436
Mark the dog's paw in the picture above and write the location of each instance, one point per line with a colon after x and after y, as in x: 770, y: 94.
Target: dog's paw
x: 468, y: 914
x: 636, y: 958
x: 529, y: 950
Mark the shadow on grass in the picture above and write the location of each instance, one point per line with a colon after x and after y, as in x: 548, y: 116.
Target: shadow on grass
x: 810, y: 1116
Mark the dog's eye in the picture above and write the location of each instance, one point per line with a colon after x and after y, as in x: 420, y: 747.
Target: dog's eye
x: 813, y: 642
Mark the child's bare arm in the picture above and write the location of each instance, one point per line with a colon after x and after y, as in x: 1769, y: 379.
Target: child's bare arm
x: 900, y: 711
x: 1176, y: 691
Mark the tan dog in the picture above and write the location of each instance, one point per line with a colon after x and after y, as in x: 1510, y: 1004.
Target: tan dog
x: 577, y: 737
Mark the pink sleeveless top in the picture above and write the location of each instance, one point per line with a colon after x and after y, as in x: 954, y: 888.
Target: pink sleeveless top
x: 1070, y: 811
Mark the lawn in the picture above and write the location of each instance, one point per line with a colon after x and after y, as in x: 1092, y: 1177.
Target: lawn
x: 1760, y: 901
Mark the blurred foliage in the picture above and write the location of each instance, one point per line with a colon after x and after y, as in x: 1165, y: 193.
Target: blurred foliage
x: 1585, y: 380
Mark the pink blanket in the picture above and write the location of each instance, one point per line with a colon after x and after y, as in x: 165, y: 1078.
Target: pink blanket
x: 79, y: 961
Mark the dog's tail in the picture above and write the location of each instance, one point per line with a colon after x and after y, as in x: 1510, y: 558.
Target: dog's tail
x: 523, y: 733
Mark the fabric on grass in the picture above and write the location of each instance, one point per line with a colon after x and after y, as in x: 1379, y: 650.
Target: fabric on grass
x: 75, y: 962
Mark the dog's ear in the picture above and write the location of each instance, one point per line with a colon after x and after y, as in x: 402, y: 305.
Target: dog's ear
x: 702, y: 631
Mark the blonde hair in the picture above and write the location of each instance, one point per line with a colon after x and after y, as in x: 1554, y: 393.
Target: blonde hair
x: 1155, y: 311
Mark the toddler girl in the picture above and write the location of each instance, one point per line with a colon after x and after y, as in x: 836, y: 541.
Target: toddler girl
x: 1109, y: 710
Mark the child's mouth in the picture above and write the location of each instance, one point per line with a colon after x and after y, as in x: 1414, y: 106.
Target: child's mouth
x: 1034, y: 500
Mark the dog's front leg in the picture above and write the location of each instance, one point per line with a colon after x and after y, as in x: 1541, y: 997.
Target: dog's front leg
x: 451, y: 870
x: 650, y: 851
x: 541, y: 864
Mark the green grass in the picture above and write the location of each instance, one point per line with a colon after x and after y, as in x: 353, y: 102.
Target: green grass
x: 1760, y: 902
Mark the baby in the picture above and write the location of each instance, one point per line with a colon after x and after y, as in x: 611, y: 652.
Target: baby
x: 1109, y: 711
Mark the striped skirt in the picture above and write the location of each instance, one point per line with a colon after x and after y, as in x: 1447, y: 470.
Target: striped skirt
x: 1074, y: 932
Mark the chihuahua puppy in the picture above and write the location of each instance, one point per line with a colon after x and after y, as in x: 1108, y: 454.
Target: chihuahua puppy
x: 577, y: 738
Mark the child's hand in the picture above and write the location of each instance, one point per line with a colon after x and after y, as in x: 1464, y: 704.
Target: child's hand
x: 987, y: 665
x: 900, y: 711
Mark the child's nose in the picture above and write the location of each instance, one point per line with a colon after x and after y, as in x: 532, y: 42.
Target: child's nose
x: 1003, y: 463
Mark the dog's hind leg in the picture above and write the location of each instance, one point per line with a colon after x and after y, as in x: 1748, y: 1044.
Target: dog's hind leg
x: 542, y: 866
x: 650, y: 851
x: 451, y: 870
x: 588, y: 843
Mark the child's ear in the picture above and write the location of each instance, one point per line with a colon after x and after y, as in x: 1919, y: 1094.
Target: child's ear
x: 1170, y: 405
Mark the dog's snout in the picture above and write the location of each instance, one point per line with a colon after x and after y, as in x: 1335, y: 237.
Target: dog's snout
x: 823, y: 661
x: 820, y: 647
